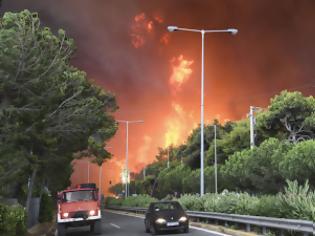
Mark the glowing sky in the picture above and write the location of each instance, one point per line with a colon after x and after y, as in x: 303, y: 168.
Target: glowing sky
x: 123, y: 45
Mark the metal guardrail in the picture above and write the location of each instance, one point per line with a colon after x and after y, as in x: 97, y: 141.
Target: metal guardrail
x: 301, y: 226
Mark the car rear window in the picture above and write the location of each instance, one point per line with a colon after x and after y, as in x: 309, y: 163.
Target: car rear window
x: 86, y: 195
x: 166, y: 206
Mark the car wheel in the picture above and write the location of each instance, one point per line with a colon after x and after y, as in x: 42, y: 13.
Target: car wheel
x: 147, y: 229
x: 153, y: 230
x: 61, y: 229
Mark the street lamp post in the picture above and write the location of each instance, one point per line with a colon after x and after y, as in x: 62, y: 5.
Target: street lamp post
x: 203, y: 32
x: 127, y: 122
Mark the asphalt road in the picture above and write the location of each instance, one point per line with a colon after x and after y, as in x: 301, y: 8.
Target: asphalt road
x: 124, y: 225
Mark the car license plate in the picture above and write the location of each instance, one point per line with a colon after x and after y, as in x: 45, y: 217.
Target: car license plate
x: 169, y: 224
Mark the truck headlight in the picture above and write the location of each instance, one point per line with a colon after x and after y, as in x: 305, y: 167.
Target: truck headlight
x: 160, y: 221
x: 65, y: 215
x: 92, y: 212
x: 183, y: 219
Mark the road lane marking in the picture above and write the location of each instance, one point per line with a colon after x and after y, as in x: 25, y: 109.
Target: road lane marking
x: 209, y: 231
x: 115, y: 226
x: 192, y: 227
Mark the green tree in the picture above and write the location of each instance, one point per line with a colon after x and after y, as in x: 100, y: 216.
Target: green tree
x: 289, y: 115
x: 236, y: 140
x: 170, y: 180
x: 257, y: 170
x: 299, y: 162
x: 48, y: 109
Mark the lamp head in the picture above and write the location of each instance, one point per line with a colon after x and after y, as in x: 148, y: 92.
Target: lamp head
x: 233, y: 31
x: 172, y: 28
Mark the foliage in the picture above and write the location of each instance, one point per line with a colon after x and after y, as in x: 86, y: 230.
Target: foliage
x: 133, y: 201
x: 289, y: 114
x: 237, y: 139
x: 46, y: 210
x: 111, y: 201
x: 171, y: 180
x: 48, y: 109
x: 191, y: 201
x: 12, y: 220
x: 298, y: 202
x: 257, y: 170
x: 269, y: 205
x: 299, y: 162
x: 232, y: 203
x: 191, y: 182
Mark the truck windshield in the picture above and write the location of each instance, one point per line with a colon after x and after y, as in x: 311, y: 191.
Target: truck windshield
x: 85, y: 195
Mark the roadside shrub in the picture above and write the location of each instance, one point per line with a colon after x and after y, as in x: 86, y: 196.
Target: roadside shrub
x: 298, y: 202
x: 46, y: 210
x: 134, y: 201
x: 269, y: 206
x: 138, y: 201
x: 12, y: 220
x: 111, y: 201
x: 191, y: 202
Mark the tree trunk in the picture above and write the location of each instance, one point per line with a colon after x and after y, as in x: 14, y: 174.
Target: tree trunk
x: 30, y: 190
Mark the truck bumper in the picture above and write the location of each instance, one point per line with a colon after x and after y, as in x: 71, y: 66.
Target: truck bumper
x: 78, y: 220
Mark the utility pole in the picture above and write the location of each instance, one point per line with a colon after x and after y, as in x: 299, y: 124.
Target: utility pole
x: 215, y: 160
x: 168, y: 158
x: 252, y: 122
x: 144, y: 170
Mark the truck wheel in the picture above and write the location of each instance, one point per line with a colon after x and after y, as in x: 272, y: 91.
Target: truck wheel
x: 96, y: 227
x: 61, y: 229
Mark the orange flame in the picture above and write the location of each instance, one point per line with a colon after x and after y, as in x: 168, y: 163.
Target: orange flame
x: 178, y: 125
x: 181, y: 71
x: 149, y: 26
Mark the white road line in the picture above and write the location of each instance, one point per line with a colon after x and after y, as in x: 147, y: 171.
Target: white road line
x: 209, y: 231
x: 193, y: 227
x: 115, y: 226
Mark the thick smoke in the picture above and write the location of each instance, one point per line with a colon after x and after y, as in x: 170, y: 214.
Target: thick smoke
x: 273, y: 51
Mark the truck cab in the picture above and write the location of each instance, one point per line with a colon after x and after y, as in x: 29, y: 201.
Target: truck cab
x: 79, y: 206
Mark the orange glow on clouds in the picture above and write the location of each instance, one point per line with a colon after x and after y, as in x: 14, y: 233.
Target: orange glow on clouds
x: 181, y: 71
x: 142, y: 26
x: 165, y: 38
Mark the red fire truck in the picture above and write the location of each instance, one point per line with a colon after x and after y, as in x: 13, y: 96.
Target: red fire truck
x: 79, y: 206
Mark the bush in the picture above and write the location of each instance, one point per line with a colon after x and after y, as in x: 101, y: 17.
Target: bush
x: 269, y: 206
x: 138, y: 201
x: 110, y: 201
x: 232, y: 203
x: 12, y: 220
x: 191, y: 202
x: 298, y: 202
x: 46, y: 210
x: 134, y: 201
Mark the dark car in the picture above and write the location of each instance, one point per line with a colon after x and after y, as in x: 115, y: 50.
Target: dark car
x: 166, y: 216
